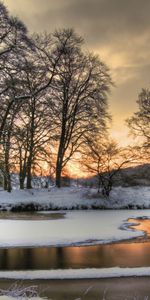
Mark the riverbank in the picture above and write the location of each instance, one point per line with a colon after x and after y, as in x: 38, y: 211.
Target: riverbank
x: 77, y: 198
x: 72, y: 274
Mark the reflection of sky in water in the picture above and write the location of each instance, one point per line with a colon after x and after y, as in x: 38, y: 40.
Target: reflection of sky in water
x: 129, y: 254
x: 100, y: 256
x: 72, y: 226
x: 143, y: 225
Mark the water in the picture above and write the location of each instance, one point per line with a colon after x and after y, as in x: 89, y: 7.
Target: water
x: 95, y: 289
x: 31, y: 216
x: 123, y: 254
x: 101, y: 256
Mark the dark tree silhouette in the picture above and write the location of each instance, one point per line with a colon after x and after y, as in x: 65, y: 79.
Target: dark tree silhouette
x: 139, y: 123
x: 14, y: 43
x: 79, y: 94
x: 103, y: 158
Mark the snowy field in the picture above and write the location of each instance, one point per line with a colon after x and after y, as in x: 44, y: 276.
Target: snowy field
x: 75, y: 198
x: 76, y: 228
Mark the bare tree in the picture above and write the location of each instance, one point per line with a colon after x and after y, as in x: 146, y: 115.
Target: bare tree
x: 139, y: 123
x: 14, y: 43
x: 35, y: 121
x: 79, y: 95
x: 103, y: 158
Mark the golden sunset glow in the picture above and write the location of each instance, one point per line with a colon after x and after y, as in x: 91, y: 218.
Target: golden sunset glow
x: 115, y: 38
x: 120, y: 40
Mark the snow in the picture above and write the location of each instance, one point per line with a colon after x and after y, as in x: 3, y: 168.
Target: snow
x: 76, y: 228
x: 18, y: 291
x: 20, y: 298
x: 25, y: 298
x: 76, y: 198
x: 91, y: 273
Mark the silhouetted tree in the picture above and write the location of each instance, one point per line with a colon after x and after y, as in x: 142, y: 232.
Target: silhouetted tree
x: 79, y: 93
x: 14, y: 43
x: 103, y: 158
x: 35, y: 120
x: 139, y: 123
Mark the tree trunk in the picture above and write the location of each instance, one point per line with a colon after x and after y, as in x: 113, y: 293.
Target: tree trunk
x: 29, y: 178
x: 99, y: 183
x: 58, y: 173
x: 23, y: 169
x: 21, y: 183
x: 62, y: 142
x: 5, y: 183
x: 107, y: 189
x: 9, y: 184
x: 29, y: 166
x: 60, y: 155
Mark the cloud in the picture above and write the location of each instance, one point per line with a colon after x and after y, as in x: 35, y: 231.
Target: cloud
x: 103, y: 18
x: 122, y: 26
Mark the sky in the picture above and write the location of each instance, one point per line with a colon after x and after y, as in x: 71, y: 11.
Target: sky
x: 117, y: 30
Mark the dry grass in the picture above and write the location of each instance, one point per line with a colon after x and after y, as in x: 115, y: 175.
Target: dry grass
x: 18, y: 291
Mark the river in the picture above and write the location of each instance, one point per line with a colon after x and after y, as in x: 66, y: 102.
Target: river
x: 129, y: 253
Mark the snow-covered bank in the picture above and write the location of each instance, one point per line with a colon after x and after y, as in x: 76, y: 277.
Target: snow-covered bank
x: 75, y: 198
x: 76, y: 228
x: 23, y: 298
x: 76, y: 274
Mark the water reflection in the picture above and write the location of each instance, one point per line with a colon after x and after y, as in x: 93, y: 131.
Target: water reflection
x: 142, y: 225
x: 31, y: 216
x: 88, y: 289
x: 124, y: 254
x: 101, y: 256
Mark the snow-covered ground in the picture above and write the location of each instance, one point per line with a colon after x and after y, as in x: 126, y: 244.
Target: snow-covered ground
x: 75, y: 198
x: 76, y: 273
x: 17, y: 291
x: 76, y: 228
x: 20, y: 298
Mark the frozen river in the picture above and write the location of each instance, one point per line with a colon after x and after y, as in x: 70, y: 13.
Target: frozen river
x: 68, y: 228
x: 90, y: 245
x: 80, y: 240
